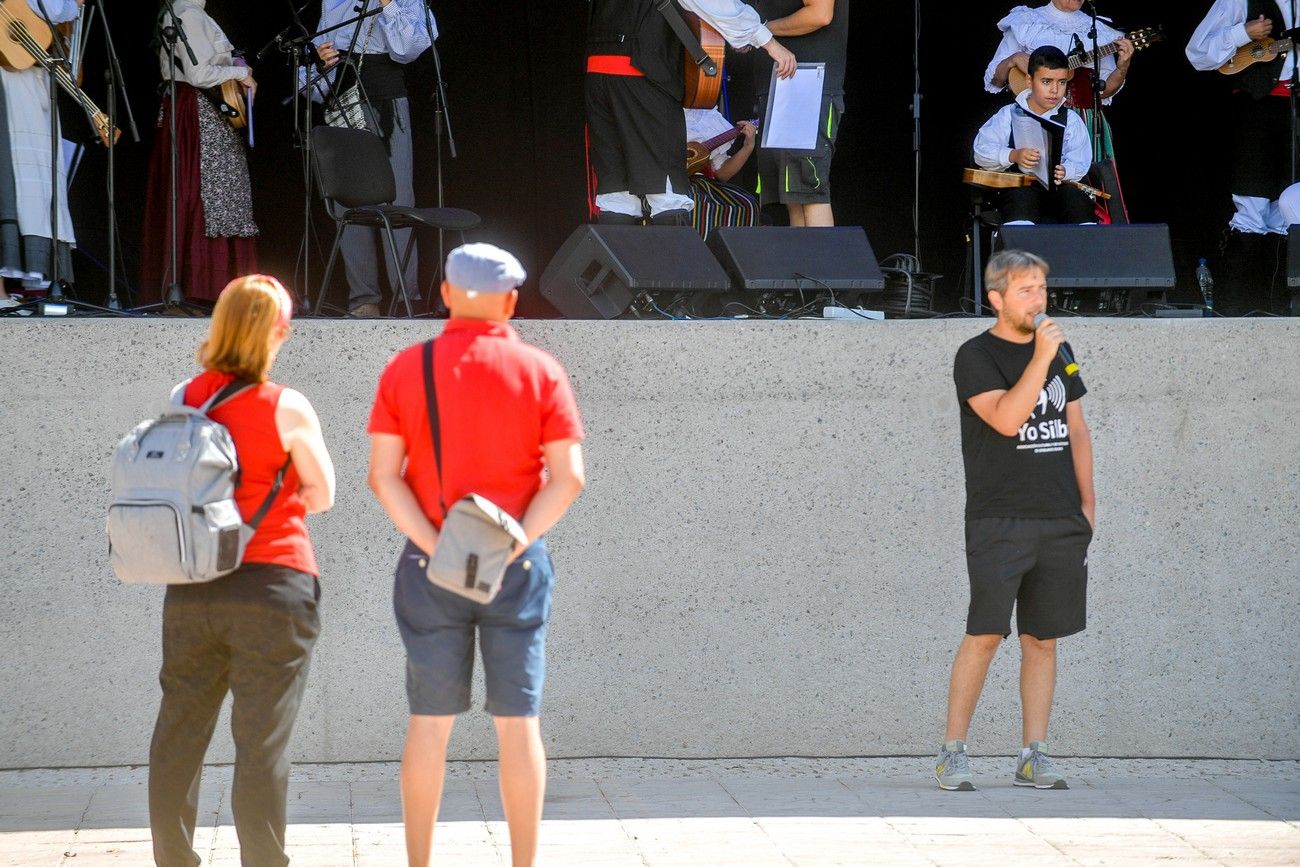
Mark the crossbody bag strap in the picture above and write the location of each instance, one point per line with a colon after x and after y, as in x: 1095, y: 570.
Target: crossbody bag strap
x: 435, y: 423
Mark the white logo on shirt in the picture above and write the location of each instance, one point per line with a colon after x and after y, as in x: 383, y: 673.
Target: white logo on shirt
x: 1043, y: 434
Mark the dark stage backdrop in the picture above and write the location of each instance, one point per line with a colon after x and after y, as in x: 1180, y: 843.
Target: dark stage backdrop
x: 514, y: 79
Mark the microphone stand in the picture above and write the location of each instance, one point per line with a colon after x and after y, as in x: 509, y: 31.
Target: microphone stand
x: 56, y: 302
x: 916, y: 129
x: 1098, y: 87
x: 1295, y: 111
x: 115, y: 82
x: 442, y: 122
x: 304, y: 57
x: 169, y: 35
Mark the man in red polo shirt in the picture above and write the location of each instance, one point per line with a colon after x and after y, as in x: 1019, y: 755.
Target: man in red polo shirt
x: 511, y: 433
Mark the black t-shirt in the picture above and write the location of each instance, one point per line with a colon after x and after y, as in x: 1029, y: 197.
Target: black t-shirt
x: 829, y: 44
x: 1031, y: 473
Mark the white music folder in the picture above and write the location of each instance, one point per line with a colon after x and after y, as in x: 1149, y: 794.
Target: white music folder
x: 794, y: 109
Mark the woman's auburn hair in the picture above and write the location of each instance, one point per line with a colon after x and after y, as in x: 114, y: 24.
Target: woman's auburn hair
x: 246, y: 315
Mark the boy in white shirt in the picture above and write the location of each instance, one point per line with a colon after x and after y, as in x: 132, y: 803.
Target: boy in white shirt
x: 995, y: 147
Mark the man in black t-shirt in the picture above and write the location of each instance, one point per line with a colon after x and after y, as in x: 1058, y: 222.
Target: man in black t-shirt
x: 817, y: 31
x: 1030, y: 510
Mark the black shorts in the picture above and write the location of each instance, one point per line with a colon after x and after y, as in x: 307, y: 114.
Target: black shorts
x: 802, y: 177
x: 638, y: 136
x: 1038, y: 566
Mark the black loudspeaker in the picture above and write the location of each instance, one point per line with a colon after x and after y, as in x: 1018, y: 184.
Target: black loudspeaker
x: 788, y: 258
x: 600, y: 270
x: 1100, y: 268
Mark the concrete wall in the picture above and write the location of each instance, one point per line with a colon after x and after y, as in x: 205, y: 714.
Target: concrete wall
x: 768, y: 559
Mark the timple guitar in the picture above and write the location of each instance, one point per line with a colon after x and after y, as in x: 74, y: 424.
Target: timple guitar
x: 228, y: 97
x: 698, y: 153
x: 702, y: 91
x: 24, y: 36
x: 1259, y: 51
x: 993, y: 180
x: 1018, y: 81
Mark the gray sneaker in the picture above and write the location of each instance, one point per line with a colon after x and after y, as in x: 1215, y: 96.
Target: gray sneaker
x: 952, y: 769
x: 1037, y: 770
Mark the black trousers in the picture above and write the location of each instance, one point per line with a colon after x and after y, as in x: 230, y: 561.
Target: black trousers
x: 638, y: 135
x: 1261, y: 153
x: 1034, y: 203
x: 250, y: 633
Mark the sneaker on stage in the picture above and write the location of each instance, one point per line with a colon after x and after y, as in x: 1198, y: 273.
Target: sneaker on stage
x: 366, y: 311
x: 952, y: 769
x: 1036, y: 769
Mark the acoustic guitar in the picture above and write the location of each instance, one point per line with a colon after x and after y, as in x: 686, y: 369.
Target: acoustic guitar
x: 228, y: 97
x: 1259, y: 51
x: 698, y: 153
x: 1018, y: 81
x: 993, y: 180
x: 703, y: 91
x: 24, y: 38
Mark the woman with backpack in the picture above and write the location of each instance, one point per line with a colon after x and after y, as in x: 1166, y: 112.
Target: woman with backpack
x: 250, y: 632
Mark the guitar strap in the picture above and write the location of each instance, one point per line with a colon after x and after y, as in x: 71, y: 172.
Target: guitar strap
x: 668, y: 9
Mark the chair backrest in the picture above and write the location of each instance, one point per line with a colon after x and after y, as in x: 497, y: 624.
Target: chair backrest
x: 352, y: 167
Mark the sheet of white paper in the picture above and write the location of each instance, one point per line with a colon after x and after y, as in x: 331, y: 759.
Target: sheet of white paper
x: 1029, y: 133
x: 72, y: 154
x: 794, y: 109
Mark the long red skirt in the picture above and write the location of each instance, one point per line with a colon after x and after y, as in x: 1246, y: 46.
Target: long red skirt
x: 205, y: 264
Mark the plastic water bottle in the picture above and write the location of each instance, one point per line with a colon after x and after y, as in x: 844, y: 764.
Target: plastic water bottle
x: 1206, y: 281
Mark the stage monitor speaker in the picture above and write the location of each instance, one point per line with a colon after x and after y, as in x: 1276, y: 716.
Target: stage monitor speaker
x: 1134, y: 262
x: 1123, y: 257
x: 600, y: 270
x: 789, y: 258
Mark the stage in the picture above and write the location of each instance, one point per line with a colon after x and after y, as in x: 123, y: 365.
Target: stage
x: 767, y: 560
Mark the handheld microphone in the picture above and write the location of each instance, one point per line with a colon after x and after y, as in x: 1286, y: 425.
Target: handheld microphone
x: 1064, y: 352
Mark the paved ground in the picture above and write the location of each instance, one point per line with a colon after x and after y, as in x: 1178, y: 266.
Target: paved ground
x: 727, y: 812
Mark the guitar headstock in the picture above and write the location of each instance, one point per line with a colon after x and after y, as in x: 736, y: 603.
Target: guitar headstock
x: 1146, y: 37
x: 104, y: 129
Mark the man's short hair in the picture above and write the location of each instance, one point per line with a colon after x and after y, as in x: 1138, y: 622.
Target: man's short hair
x: 1047, y: 57
x: 997, y: 273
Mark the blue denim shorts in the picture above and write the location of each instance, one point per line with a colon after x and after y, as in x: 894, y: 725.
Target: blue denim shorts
x: 438, y: 629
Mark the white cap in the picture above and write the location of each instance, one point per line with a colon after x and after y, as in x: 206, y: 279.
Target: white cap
x: 484, y: 268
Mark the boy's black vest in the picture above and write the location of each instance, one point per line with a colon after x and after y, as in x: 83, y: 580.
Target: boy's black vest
x: 634, y: 28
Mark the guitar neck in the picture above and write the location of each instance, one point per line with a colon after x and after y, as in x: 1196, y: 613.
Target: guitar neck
x: 19, y: 31
x: 1090, y: 58
x: 722, y: 138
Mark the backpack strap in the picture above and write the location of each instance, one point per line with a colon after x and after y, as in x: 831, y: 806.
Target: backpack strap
x: 270, y: 497
x: 232, y: 389
x: 177, y: 398
x: 435, y: 423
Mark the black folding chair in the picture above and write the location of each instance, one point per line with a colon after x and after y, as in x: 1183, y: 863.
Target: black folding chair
x: 356, y: 181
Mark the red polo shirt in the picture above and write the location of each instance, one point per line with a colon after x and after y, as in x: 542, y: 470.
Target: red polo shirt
x: 499, y: 399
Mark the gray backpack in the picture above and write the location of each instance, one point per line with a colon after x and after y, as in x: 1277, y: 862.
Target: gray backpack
x: 173, y: 519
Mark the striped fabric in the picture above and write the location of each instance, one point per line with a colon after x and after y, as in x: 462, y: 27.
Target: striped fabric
x: 721, y: 204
